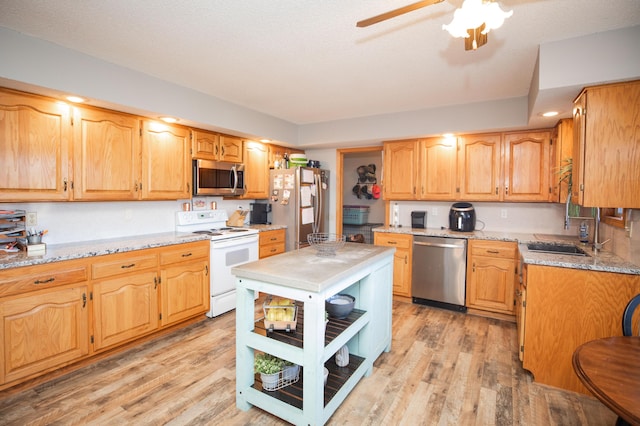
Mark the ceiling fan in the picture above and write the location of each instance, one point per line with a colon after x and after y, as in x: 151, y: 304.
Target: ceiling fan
x: 473, y: 20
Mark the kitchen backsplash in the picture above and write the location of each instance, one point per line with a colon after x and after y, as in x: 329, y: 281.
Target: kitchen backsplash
x: 86, y: 221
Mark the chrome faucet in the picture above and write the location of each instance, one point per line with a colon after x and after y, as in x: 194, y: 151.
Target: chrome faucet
x: 598, y: 245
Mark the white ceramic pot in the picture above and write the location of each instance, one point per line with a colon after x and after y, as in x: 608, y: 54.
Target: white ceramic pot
x: 342, y: 356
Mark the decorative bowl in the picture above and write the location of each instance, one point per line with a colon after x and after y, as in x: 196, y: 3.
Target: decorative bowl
x: 326, y: 244
x: 339, y: 306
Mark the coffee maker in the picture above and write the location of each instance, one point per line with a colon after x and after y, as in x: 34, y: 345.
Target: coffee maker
x: 260, y: 214
x: 462, y: 217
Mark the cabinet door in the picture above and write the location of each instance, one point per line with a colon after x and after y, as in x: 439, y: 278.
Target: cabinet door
x: 124, y: 308
x: 437, y: 171
x: 561, y: 153
x: 479, y: 168
x: 526, y: 166
x: 166, y: 162
x: 256, y: 166
x: 106, y: 155
x: 185, y: 291
x: 577, y: 166
x: 521, y: 303
x: 400, y: 162
x: 42, y: 332
x: 608, y: 173
x: 231, y: 149
x: 205, y: 145
x: 490, y: 284
x: 35, y: 136
x: 402, y: 259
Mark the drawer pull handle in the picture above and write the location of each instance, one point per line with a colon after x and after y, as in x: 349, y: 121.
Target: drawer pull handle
x: 274, y: 239
x: 493, y: 251
x: 273, y: 249
x: 128, y: 266
x: 187, y: 254
x: 392, y: 242
x: 48, y: 280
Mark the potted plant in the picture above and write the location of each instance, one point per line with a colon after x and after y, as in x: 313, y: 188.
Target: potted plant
x: 269, y: 367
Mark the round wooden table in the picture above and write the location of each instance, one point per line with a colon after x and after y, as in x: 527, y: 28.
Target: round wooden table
x: 610, y: 369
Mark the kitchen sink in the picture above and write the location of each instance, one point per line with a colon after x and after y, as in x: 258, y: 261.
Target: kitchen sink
x: 556, y: 248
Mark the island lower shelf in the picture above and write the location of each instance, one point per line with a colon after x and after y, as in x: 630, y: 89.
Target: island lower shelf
x: 338, y: 376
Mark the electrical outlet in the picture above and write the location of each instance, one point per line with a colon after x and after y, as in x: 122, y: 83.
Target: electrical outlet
x: 434, y: 211
x: 32, y: 219
x: 503, y: 213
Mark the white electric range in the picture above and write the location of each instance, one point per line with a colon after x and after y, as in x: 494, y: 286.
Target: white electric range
x: 230, y: 246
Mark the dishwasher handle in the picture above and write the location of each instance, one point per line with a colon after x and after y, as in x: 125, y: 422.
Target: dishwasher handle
x: 420, y: 243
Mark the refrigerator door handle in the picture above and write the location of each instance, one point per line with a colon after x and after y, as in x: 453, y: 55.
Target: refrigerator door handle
x: 318, y: 204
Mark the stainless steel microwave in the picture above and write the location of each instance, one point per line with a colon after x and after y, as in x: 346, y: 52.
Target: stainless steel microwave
x: 217, y: 178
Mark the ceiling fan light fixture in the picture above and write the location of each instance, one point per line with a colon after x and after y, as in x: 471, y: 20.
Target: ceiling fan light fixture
x: 476, y: 13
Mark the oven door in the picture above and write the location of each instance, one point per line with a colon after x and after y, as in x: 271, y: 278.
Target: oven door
x: 225, y: 254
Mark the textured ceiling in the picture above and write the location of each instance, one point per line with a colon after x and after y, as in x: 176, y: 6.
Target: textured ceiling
x: 305, y: 61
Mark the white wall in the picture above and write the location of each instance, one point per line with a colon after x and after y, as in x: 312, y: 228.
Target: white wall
x: 87, y: 221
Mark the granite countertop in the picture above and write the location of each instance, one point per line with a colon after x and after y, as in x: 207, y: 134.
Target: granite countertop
x: 604, y: 260
x: 303, y: 269
x: 79, y: 250
x: 69, y: 251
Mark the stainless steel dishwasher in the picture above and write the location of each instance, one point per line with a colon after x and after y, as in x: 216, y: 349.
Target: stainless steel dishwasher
x: 439, y: 272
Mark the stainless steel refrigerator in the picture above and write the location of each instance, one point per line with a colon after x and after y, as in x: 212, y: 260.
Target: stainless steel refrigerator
x: 299, y: 200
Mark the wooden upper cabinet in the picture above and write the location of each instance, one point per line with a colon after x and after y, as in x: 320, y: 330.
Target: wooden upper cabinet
x: 35, y: 138
x: 526, y: 161
x: 479, y: 167
x: 106, y: 155
x: 166, y: 161
x: 400, y: 162
x: 561, y: 153
x: 606, y: 165
x: 212, y: 146
x: 256, y: 168
x: 205, y: 145
x: 437, y: 169
x: 231, y: 149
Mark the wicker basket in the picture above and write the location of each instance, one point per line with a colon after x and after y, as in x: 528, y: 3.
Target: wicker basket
x: 271, y: 325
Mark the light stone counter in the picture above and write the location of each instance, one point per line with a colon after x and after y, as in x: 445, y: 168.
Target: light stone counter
x: 69, y: 251
x: 602, y: 261
x: 303, y: 269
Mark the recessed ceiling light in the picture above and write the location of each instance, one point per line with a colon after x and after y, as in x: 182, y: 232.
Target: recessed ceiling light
x: 75, y: 99
x: 550, y: 114
x: 265, y: 140
x: 169, y: 119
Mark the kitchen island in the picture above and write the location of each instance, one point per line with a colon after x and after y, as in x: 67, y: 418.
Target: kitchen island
x: 363, y: 271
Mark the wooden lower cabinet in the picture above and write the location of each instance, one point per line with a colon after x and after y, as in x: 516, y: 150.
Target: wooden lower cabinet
x: 272, y: 242
x: 566, y: 308
x: 491, y: 274
x: 401, y: 259
x: 42, y: 331
x: 52, y: 313
x: 184, y: 278
x: 124, y: 308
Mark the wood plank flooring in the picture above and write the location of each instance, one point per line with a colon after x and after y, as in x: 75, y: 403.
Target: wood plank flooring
x: 445, y: 368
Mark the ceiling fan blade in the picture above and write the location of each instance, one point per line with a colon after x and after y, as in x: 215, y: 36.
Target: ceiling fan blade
x: 396, y: 12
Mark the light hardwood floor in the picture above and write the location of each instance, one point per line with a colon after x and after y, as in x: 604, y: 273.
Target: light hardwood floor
x: 445, y: 368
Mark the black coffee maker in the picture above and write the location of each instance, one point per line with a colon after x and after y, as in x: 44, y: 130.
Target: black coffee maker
x: 462, y: 217
x: 259, y: 213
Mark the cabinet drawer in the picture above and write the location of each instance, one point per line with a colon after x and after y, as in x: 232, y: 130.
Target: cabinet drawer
x: 185, y: 252
x: 124, y: 263
x: 31, y: 278
x: 271, y: 250
x: 272, y: 237
x: 493, y: 248
x: 400, y: 241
